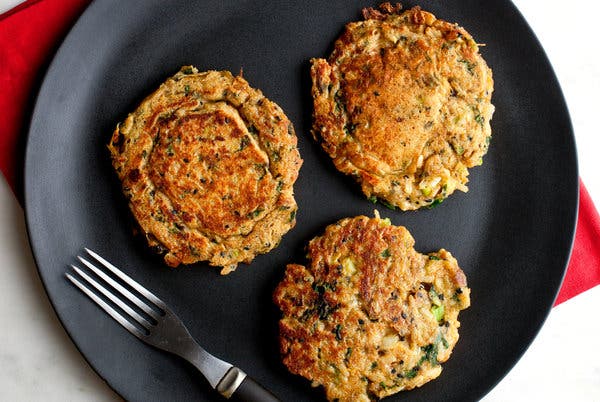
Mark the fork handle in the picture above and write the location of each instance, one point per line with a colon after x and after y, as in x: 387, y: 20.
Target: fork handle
x: 237, y: 386
x: 251, y: 391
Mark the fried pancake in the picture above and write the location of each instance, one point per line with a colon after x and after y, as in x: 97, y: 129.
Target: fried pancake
x: 403, y: 104
x: 208, y: 166
x: 369, y: 316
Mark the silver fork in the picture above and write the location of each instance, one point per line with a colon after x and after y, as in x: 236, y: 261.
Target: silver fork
x: 167, y: 332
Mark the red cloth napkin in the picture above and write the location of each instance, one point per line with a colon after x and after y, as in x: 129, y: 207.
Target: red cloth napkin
x: 29, y: 35
x: 583, y: 271
x: 31, y: 32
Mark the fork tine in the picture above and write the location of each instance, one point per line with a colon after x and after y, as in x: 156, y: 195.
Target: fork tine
x: 132, y: 298
x: 143, y: 291
x: 141, y: 320
x: 112, y: 312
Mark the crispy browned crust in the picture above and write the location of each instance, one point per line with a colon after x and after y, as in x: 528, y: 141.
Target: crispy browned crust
x: 208, y: 165
x: 360, y: 318
x: 403, y: 104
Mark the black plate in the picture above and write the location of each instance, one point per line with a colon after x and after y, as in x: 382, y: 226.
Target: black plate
x: 511, y: 233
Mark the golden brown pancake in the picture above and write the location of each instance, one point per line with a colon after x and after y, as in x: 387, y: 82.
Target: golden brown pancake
x: 208, y: 166
x: 403, y: 104
x: 369, y: 316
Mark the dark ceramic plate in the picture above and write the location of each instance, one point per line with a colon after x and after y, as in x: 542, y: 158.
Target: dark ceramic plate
x: 512, y: 232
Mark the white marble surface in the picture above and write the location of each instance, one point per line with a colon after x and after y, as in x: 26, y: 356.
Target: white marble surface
x: 38, y: 362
